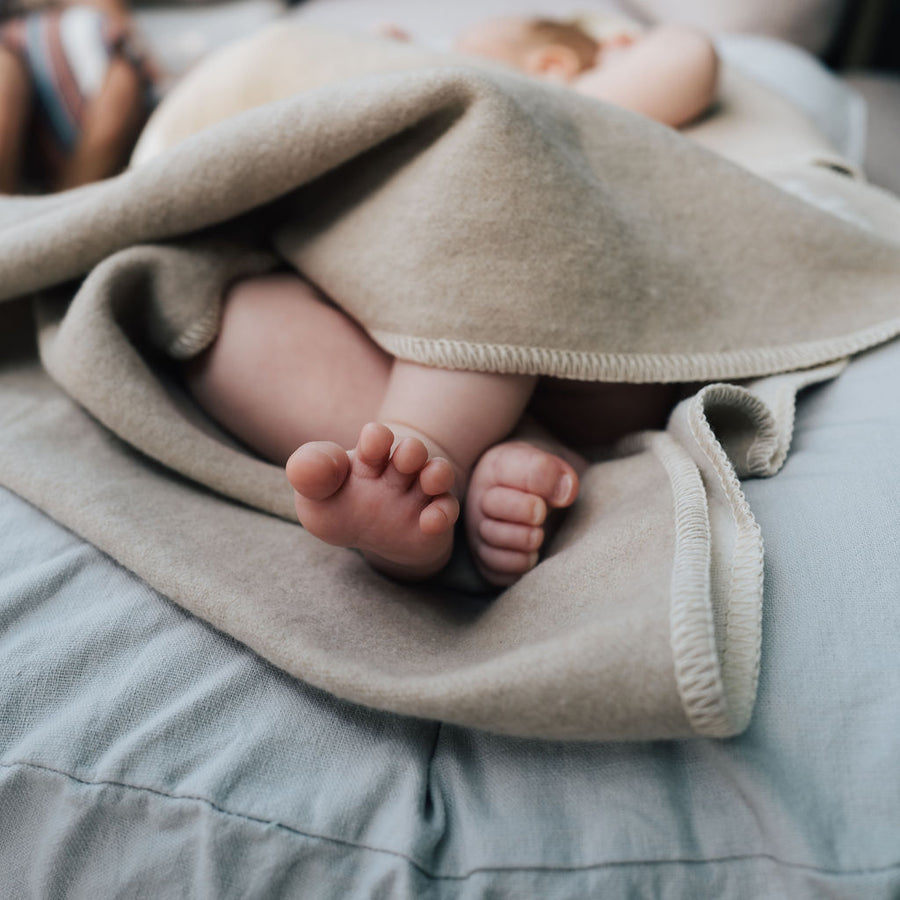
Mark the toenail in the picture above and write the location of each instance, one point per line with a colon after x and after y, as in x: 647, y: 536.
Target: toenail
x: 563, y: 489
x: 330, y: 458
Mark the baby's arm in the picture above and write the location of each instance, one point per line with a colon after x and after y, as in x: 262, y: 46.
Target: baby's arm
x: 668, y: 75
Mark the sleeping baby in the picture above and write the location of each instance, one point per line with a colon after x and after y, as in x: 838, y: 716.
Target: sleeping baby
x: 383, y: 453
x: 667, y: 73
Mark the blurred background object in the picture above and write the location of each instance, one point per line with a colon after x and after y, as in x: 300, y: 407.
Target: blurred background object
x: 180, y: 34
x: 859, y: 39
x: 810, y: 24
x: 866, y: 49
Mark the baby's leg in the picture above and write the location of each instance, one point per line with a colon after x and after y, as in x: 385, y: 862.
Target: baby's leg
x: 517, y: 483
x: 287, y: 367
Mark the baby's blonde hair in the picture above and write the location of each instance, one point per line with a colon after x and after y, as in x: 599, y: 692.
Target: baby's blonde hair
x: 512, y: 38
x: 541, y: 32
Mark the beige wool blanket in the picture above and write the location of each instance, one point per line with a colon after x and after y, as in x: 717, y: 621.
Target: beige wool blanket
x: 466, y: 218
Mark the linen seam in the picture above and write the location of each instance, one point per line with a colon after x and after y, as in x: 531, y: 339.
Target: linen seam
x: 730, y: 858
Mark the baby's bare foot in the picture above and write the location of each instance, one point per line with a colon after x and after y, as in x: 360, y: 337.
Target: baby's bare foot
x: 511, y: 489
x: 395, y: 507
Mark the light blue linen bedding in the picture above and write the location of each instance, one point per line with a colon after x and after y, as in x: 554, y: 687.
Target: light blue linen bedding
x: 143, y: 754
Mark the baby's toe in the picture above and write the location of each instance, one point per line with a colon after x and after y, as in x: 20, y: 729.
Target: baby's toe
x: 504, y: 567
x: 510, y: 535
x: 406, y: 462
x: 410, y: 456
x: 510, y: 505
x: 440, y: 515
x: 437, y: 476
x: 317, y: 469
x: 373, y: 448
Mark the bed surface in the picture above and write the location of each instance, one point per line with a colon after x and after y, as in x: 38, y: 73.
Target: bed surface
x: 144, y: 754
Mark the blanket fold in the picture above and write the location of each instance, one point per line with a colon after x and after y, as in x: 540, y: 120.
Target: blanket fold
x: 466, y: 218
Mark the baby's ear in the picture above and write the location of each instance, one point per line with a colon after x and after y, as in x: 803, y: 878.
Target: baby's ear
x: 555, y: 61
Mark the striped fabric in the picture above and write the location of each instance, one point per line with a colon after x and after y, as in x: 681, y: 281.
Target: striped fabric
x: 10, y: 8
x: 67, y: 53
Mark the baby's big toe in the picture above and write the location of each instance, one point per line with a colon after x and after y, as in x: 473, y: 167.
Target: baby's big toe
x: 317, y: 469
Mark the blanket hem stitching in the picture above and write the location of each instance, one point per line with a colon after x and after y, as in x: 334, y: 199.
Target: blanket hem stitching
x: 450, y: 353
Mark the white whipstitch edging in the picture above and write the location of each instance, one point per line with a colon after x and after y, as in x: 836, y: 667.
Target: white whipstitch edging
x: 197, y: 336
x: 450, y: 353
x: 698, y: 674
x: 770, y: 449
x: 740, y: 655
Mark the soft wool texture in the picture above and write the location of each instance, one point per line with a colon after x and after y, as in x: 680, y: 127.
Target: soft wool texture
x: 466, y: 217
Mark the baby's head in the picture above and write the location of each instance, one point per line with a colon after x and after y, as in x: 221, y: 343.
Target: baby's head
x: 545, y: 47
